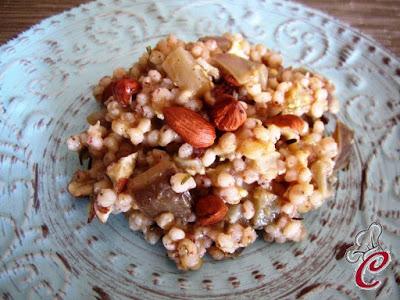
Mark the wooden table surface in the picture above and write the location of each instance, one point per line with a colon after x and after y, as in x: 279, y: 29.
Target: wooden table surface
x: 378, y: 18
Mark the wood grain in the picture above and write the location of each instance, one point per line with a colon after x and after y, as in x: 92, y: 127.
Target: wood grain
x: 45, y: 243
x: 378, y: 18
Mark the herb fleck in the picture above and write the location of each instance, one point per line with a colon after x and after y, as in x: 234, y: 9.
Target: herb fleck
x: 291, y: 141
x: 186, y: 178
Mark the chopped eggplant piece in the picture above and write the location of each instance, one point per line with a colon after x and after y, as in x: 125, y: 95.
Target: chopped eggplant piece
x: 344, y: 138
x: 186, y: 73
x: 154, y: 195
x: 165, y: 168
x: 243, y: 70
x: 265, y: 210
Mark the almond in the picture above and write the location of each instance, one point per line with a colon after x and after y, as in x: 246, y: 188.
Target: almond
x: 228, y: 114
x: 294, y: 122
x: 192, y: 127
x: 210, y: 209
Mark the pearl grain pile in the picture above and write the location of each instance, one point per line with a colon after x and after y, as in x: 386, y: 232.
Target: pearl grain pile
x: 205, y: 145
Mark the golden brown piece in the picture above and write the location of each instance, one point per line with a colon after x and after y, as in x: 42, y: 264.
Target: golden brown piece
x: 153, y: 193
x: 344, y: 138
x: 186, y: 73
x: 241, y: 69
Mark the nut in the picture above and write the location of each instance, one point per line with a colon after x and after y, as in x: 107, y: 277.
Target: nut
x: 294, y: 122
x: 228, y: 114
x: 192, y: 127
x: 123, y: 90
x: 221, y: 90
x: 210, y: 209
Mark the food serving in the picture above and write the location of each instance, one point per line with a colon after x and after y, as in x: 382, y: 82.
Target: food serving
x: 205, y: 144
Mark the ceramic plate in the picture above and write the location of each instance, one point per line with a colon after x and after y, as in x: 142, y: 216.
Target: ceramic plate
x: 47, y: 249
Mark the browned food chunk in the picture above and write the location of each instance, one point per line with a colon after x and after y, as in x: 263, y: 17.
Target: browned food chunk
x: 241, y: 69
x: 186, y: 73
x: 344, y: 138
x: 154, y: 195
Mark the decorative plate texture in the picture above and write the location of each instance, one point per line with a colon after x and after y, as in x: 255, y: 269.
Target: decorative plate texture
x: 48, y: 251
